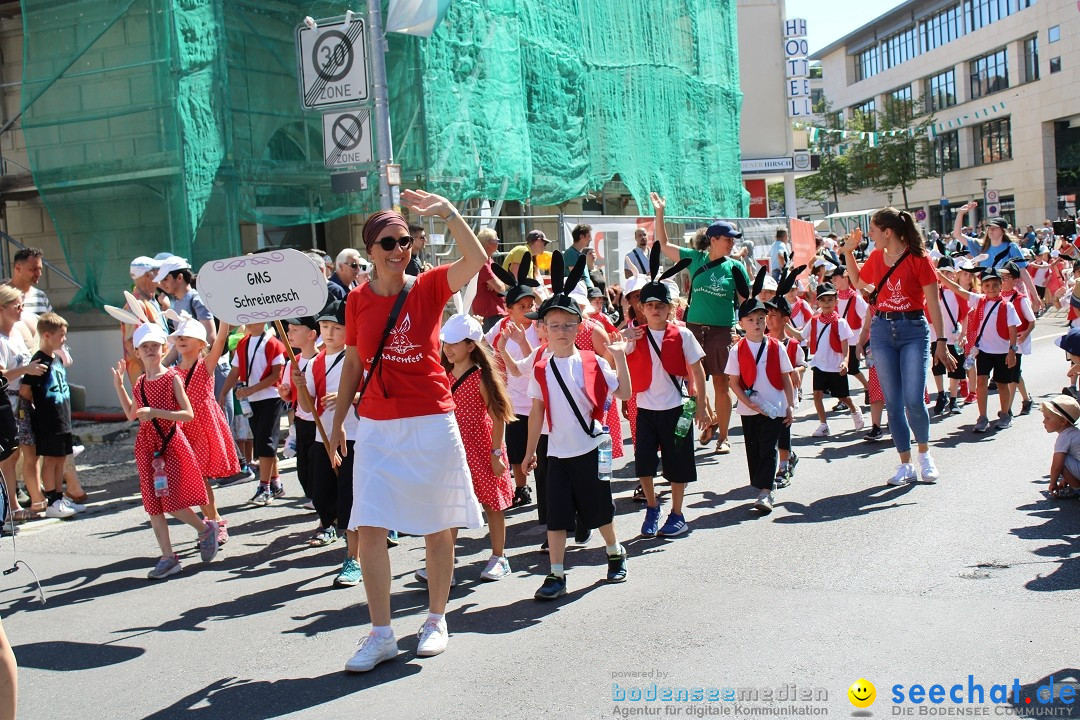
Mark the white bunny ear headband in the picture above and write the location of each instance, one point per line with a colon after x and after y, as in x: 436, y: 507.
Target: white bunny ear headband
x: 136, y: 315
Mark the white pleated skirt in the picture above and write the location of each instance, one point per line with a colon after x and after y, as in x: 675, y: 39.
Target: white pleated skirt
x: 411, y: 475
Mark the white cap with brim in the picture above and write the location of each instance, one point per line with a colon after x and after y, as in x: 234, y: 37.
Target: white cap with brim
x: 634, y: 283
x: 581, y: 295
x: 769, y: 283
x: 149, y: 332
x: 171, y: 265
x: 461, y: 327
x: 142, y: 265
x: 190, y: 328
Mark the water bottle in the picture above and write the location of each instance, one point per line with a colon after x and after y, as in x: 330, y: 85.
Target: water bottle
x: 969, y: 361
x: 768, y: 407
x: 686, y: 420
x: 290, y: 444
x: 604, y: 450
x: 868, y: 357
x: 245, y: 404
x: 161, y: 480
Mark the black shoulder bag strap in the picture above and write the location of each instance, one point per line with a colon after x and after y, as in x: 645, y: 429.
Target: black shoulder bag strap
x: 570, y: 399
x: 637, y: 254
x: 704, y: 268
x: 986, y: 319
x: 674, y: 380
x: 881, y: 284
x: 166, y: 437
x: 187, y: 379
x: 757, y: 359
x: 391, y: 321
x: 952, y: 318
x: 464, y: 376
x: 824, y: 329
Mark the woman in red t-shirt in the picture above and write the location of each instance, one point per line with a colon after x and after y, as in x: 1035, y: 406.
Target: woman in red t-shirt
x: 410, y: 472
x: 905, y: 282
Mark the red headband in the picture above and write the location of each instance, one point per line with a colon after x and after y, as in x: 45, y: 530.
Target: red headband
x: 378, y: 223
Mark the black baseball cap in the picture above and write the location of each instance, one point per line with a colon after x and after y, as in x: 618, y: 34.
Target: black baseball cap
x: 826, y: 289
x: 595, y: 292
x: 308, y: 321
x: 333, y: 312
x: 1000, y: 222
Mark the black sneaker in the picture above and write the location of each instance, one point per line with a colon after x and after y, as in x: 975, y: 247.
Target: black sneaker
x: 553, y: 587
x: 939, y: 406
x: 277, y: 489
x: 783, y: 478
x: 874, y: 435
x: 792, y: 461
x: 952, y: 409
x: 543, y: 547
x: 639, y: 494
x: 616, y: 568
x: 1025, y: 407
x: 840, y: 407
x: 582, y: 535
x: 522, y: 497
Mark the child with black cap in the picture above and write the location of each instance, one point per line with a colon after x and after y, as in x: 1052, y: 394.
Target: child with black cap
x: 955, y: 310
x: 303, y: 334
x: 829, y: 357
x: 671, y: 350
x: 852, y: 309
x: 777, y: 326
x: 1013, y: 292
x: 759, y: 372
x: 569, y: 389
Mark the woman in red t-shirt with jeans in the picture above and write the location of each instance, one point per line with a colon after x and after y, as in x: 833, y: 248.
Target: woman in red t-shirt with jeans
x: 410, y: 472
x: 899, y: 333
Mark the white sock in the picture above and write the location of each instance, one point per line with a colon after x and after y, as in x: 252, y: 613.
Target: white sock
x: 557, y: 570
x: 615, y: 549
x: 384, y: 632
x: 433, y: 617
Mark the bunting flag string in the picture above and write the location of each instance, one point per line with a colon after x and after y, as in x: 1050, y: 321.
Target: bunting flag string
x: 873, y: 138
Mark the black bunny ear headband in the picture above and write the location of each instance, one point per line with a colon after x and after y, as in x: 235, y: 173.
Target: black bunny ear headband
x: 656, y: 290
x: 751, y: 303
x: 561, y: 287
x: 520, y: 286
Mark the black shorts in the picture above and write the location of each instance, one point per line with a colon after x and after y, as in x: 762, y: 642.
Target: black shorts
x: 53, y: 444
x: 1041, y: 290
x: 516, y: 437
x: 9, y: 429
x: 332, y: 494
x: 305, y: 441
x: 959, y: 373
x: 265, y: 424
x: 985, y: 363
x: 853, y: 366
x: 575, y: 488
x: 656, y: 430
x: 831, y: 382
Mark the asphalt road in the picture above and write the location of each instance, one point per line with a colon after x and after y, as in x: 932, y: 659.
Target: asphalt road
x: 848, y: 578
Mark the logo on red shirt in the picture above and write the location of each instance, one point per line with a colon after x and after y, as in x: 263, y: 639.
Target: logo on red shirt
x: 894, y: 296
x: 399, y: 340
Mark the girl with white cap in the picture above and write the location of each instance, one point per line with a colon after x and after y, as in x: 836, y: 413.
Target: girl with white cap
x: 169, y: 474
x: 209, y: 430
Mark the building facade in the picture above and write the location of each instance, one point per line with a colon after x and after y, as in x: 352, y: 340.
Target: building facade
x: 1002, y: 81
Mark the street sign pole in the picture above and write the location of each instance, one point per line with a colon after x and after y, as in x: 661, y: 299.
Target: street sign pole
x: 384, y: 151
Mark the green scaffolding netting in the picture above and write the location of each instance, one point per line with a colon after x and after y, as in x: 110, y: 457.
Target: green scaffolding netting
x: 164, y: 125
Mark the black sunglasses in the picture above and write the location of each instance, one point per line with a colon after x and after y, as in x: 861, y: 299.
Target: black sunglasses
x: 388, y: 243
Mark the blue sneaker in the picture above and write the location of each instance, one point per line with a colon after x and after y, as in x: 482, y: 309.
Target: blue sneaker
x: 616, y: 567
x: 675, y: 525
x: 652, y: 521
x: 553, y: 587
x: 350, y: 574
x: 392, y: 539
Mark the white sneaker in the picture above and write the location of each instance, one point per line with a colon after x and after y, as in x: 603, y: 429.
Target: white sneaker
x: 929, y: 469
x: 904, y: 474
x: 421, y: 575
x: 497, y: 568
x: 764, y: 502
x: 59, y: 509
x: 77, y: 450
x: 858, y: 418
x: 76, y: 507
x: 822, y: 430
x: 373, y: 650
x: 433, y: 637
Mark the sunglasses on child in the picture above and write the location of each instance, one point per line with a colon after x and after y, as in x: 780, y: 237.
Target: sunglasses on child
x: 388, y: 243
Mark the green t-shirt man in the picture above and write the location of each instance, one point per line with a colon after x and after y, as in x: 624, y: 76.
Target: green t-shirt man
x: 714, y: 298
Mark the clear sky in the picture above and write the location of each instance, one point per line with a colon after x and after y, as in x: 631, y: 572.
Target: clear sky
x: 829, y: 20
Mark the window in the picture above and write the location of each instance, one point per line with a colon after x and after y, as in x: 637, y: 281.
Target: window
x: 1053, y: 34
x: 944, y: 154
x: 981, y: 13
x: 898, y: 48
x: 941, y: 89
x: 993, y: 142
x: 867, y: 63
x: 989, y: 74
x: 901, y: 107
x: 1031, y: 59
x: 817, y: 100
x: 942, y: 28
x: 863, y: 116
x: 1055, y: 65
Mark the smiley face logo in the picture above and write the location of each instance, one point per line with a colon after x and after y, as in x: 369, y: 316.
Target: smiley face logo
x: 862, y: 693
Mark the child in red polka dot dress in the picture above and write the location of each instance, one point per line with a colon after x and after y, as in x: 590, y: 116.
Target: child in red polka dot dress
x: 161, y: 405
x: 209, y: 431
x: 483, y: 407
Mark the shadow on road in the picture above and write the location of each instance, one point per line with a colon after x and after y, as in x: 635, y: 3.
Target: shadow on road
x: 840, y: 507
x: 66, y: 656
x: 1061, y: 527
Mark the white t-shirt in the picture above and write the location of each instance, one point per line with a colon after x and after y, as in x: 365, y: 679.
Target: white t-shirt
x: 256, y: 357
x: 1041, y: 276
x: 517, y: 387
x: 566, y: 438
x: 287, y: 378
x: 13, y: 354
x: 637, y: 262
x: 858, y: 308
x: 1068, y: 442
x: 775, y: 250
x: 762, y: 386
x: 661, y: 394
x: 950, y: 303
x: 333, y: 378
x: 826, y: 359
x: 1026, y: 313
x: 991, y: 342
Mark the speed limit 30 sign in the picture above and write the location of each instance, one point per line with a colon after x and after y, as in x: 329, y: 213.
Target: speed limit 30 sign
x: 332, y: 62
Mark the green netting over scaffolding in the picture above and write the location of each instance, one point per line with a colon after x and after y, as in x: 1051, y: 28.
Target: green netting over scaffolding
x: 163, y: 125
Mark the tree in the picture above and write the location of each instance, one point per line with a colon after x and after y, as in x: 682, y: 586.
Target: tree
x: 902, y: 154
x: 834, y: 175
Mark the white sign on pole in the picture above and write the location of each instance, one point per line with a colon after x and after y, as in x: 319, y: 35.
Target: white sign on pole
x: 263, y: 287
x: 993, y: 210
x: 347, y: 138
x: 992, y: 196
x: 332, y: 62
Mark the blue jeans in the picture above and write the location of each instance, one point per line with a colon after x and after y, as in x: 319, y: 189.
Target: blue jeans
x: 901, y: 350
